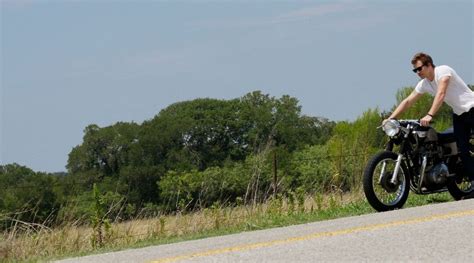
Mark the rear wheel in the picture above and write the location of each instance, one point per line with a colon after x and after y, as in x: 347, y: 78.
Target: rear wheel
x: 459, y: 187
x: 381, y: 194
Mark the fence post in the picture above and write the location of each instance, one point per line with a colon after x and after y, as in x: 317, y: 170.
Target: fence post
x: 275, y: 175
x: 97, y: 219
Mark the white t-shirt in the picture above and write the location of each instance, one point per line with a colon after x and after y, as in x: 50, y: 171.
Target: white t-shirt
x: 458, y: 95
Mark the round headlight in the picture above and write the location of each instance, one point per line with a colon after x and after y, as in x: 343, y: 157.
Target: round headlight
x: 391, y: 128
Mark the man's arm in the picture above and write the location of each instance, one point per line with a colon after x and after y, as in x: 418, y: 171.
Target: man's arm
x: 437, y: 102
x: 405, y: 104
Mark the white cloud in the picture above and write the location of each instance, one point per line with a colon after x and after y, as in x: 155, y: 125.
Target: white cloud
x: 316, y: 11
x: 300, y: 15
x: 18, y: 3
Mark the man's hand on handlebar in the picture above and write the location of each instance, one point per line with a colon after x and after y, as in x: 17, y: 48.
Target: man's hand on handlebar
x: 425, y: 121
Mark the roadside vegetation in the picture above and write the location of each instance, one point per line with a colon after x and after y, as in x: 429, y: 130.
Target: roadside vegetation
x: 70, y: 240
x: 198, y: 168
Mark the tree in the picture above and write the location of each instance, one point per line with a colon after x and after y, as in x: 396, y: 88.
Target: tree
x: 194, y: 135
x: 352, y: 144
x: 26, y: 196
x: 104, y: 150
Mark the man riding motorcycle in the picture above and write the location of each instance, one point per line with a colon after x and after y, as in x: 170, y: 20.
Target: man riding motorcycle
x: 445, y: 85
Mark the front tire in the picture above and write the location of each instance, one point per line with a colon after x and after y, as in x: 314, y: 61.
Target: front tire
x: 381, y: 194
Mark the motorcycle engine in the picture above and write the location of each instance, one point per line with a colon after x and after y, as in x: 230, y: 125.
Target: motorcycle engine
x: 437, y: 174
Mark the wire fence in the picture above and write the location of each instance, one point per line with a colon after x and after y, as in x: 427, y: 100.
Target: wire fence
x: 71, y: 185
x: 185, y: 222
x: 77, y: 237
x: 90, y: 182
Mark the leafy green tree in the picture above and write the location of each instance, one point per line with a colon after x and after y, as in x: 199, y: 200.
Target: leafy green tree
x: 194, y: 135
x: 351, y: 145
x: 26, y: 196
x: 312, y: 169
x: 196, y: 189
x: 138, y: 184
x: 257, y: 121
x: 104, y: 150
x: 268, y: 121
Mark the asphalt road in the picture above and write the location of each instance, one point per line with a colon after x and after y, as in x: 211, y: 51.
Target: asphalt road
x: 434, y: 233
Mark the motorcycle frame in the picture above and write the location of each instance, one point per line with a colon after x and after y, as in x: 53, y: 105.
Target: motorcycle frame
x: 404, y: 155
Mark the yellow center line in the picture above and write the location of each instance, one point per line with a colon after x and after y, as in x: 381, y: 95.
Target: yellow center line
x: 313, y: 236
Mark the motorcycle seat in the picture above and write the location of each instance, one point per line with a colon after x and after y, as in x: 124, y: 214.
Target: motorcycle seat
x: 446, y: 136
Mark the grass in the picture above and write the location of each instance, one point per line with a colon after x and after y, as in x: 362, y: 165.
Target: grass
x: 71, y: 240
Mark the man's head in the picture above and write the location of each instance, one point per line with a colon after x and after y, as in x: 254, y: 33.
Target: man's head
x: 423, y: 65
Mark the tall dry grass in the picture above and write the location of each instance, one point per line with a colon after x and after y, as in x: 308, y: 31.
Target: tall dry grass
x: 33, y: 243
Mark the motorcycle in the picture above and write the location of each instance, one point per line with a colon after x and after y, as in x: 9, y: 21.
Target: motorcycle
x: 416, y: 158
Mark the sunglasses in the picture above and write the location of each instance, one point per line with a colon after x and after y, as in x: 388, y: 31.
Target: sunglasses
x: 418, y: 69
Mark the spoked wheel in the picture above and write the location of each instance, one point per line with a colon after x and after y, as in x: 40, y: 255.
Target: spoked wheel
x: 381, y: 193
x: 459, y: 187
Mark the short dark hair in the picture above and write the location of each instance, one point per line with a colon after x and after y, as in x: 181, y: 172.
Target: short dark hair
x: 424, y: 58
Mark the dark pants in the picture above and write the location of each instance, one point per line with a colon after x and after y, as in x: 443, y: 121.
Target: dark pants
x: 463, y: 125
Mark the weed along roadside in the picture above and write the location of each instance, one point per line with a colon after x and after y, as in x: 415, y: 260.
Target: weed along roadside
x: 199, y: 168
x: 74, y: 240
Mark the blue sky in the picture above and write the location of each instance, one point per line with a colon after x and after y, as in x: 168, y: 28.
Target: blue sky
x: 68, y: 64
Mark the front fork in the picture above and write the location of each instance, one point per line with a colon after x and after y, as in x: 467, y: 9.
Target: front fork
x: 398, y: 163
x: 397, y: 169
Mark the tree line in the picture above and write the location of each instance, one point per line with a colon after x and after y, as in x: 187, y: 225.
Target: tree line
x: 199, y: 153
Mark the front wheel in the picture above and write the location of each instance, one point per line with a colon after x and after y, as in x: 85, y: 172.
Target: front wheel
x: 381, y: 194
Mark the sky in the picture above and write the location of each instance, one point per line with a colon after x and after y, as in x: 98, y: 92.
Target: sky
x: 68, y: 64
